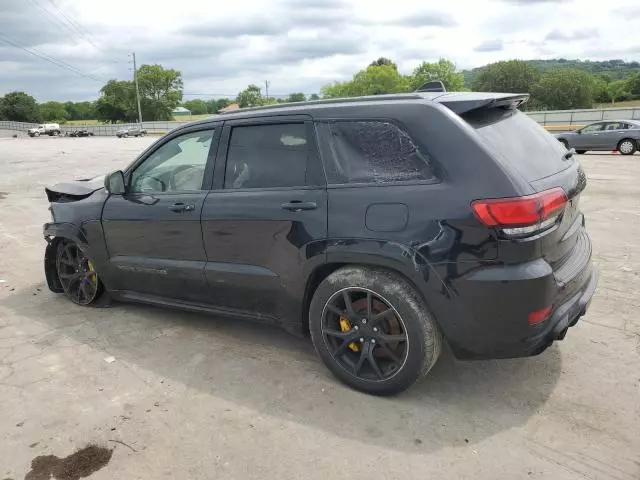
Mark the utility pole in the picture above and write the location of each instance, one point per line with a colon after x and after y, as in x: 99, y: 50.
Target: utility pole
x: 266, y: 88
x: 135, y: 79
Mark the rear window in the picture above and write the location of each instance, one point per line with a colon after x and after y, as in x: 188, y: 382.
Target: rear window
x: 520, y: 142
x: 373, y: 151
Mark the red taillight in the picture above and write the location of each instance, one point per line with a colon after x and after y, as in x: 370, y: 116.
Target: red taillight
x: 520, y: 211
x: 539, y: 316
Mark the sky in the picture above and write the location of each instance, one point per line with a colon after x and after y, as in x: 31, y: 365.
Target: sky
x: 297, y: 45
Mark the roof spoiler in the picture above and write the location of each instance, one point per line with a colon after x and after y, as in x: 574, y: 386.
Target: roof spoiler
x: 432, y: 86
x: 465, y: 102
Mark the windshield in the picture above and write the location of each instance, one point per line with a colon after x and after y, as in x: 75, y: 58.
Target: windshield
x: 519, y: 141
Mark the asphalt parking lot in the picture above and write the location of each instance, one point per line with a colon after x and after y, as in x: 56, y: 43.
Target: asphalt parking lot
x: 185, y: 396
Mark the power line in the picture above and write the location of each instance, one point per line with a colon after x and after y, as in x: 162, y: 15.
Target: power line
x: 82, y: 31
x: 68, y: 25
x: 48, y: 58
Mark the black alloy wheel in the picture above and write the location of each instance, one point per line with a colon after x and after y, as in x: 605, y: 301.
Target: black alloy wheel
x: 365, y: 335
x: 77, y: 275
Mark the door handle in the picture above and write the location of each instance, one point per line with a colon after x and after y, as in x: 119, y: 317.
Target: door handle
x: 297, y: 206
x: 182, y: 207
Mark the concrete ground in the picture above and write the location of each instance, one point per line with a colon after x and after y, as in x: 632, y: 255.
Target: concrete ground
x: 191, y: 396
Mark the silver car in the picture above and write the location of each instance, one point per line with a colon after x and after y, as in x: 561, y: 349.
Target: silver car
x: 609, y: 135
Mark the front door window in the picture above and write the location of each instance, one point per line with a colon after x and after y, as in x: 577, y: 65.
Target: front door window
x: 177, y: 166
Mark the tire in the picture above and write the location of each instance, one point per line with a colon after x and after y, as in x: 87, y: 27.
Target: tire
x: 342, y: 347
x: 79, y: 280
x: 627, y: 146
x: 37, y: 134
x: 581, y: 152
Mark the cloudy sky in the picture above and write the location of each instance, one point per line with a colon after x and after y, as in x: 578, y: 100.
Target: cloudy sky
x: 298, y: 45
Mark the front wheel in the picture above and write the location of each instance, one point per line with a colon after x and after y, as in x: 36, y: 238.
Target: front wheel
x: 372, y: 330
x: 627, y: 146
x: 77, y: 274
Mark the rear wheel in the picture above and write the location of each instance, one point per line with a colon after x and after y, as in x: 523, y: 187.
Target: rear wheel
x: 627, y: 146
x: 581, y: 152
x: 77, y: 274
x: 372, y: 330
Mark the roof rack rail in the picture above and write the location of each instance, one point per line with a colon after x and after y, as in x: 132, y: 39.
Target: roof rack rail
x: 324, y: 101
x: 432, y: 86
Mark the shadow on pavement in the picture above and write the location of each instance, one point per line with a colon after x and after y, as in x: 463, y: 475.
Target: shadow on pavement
x: 265, y: 369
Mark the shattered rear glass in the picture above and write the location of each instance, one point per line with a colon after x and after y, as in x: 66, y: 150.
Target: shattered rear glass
x: 374, y: 152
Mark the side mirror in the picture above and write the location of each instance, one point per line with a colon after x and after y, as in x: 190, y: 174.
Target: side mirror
x: 114, y: 183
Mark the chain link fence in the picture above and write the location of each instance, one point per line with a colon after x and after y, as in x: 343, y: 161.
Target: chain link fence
x: 152, y: 128
x: 563, y: 120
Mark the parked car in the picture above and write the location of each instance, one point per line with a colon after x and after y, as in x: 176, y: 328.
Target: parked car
x: 131, y: 132
x: 80, y: 133
x: 361, y: 221
x: 52, y: 129
x: 620, y: 135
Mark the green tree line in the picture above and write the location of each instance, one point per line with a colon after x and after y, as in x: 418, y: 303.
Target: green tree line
x: 553, y: 85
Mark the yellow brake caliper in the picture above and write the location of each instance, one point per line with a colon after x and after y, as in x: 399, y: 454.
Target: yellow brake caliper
x: 92, y: 270
x: 345, y: 326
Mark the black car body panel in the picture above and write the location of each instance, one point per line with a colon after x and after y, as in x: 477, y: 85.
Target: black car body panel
x: 260, y: 252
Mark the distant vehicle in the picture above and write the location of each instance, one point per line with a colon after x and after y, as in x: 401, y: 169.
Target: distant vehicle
x: 378, y: 249
x: 80, y: 133
x: 620, y: 135
x: 51, y: 129
x: 131, y: 132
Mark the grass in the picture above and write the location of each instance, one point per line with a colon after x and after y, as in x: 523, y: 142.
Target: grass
x: 82, y: 122
x: 626, y: 104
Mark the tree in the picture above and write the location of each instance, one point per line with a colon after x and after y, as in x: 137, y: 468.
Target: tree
x: 373, y: 80
x: 565, y: 88
x: 250, y: 97
x: 314, y: 96
x: 602, y: 92
x: 383, y: 61
x: 20, y: 107
x: 213, y: 105
x: 53, y: 111
x: 618, y: 91
x: 633, y: 85
x: 117, y: 102
x: 85, y: 110
x: 80, y: 110
x: 296, y: 97
x: 512, y: 76
x: 197, y: 106
x: 160, y: 91
x: 443, y: 70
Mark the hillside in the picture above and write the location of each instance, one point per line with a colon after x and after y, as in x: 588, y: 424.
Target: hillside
x: 615, y: 69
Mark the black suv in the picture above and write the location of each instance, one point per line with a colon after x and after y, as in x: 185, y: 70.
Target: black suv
x: 383, y: 226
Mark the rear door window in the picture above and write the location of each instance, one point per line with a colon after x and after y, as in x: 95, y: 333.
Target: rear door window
x: 372, y: 152
x: 270, y: 156
x: 519, y: 141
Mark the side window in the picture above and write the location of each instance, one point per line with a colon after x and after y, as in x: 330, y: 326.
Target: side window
x: 374, y: 152
x: 624, y: 126
x: 177, y: 166
x: 596, y: 127
x: 271, y: 155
